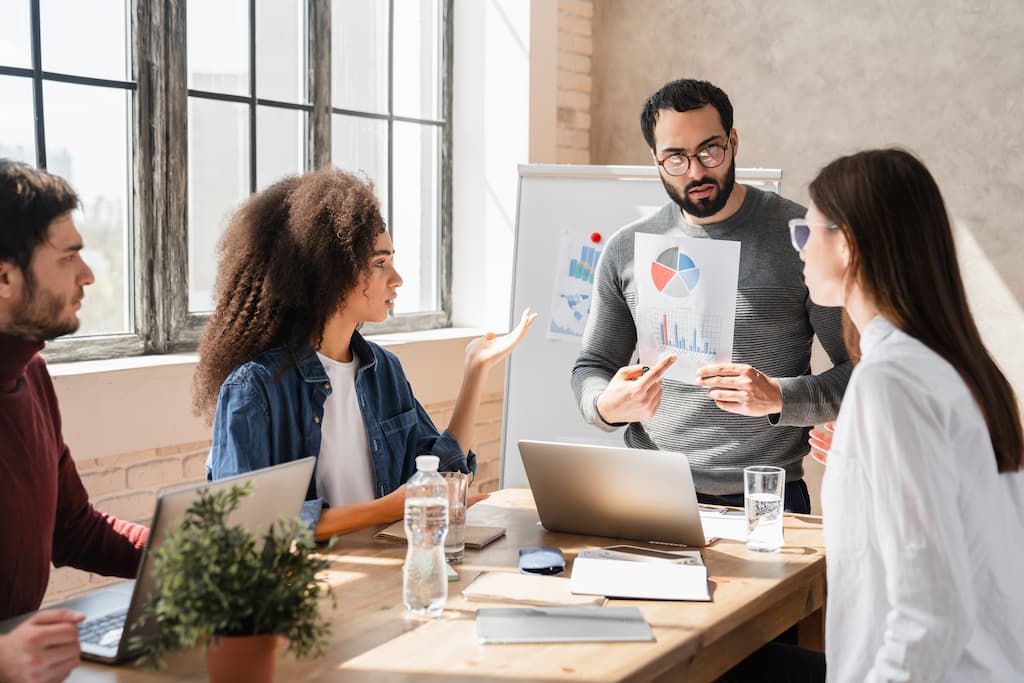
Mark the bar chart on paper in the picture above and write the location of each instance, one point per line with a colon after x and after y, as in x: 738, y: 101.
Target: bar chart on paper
x: 584, y: 267
x: 687, y: 333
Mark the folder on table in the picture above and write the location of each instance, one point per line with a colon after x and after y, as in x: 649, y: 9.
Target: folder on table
x: 477, y: 536
x: 530, y: 589
x: 561, y: 625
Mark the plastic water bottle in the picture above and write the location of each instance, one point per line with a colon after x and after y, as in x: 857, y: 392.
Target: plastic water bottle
x: 425, y: 575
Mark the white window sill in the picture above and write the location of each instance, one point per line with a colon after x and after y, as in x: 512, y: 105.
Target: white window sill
x: 393, y: 341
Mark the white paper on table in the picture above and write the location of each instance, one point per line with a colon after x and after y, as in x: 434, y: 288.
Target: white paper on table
x: 574, y: 283
x: 642, y: 580
x: 686, y: 301
x: 726, y: 524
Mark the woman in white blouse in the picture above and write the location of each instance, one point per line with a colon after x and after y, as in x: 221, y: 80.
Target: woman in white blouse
x: 923, y: 495
x: 924, y: 533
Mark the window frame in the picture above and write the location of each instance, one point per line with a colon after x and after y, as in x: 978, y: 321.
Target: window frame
x: 158, y: 235
x: 98, y: 346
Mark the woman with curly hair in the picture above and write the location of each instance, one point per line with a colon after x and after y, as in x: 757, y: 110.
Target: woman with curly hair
x: 286, y: 374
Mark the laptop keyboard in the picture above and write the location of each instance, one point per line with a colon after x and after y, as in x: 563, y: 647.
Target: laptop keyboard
x: 105, y: 631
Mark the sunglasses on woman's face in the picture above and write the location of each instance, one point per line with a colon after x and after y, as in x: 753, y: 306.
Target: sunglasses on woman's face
x: 800, y: 231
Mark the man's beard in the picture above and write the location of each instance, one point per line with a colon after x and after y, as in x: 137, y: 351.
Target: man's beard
x: 38, y: 317
x: 703, y: 208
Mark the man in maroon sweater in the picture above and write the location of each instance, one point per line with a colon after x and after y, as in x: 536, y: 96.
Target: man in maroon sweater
x: 45, y: 511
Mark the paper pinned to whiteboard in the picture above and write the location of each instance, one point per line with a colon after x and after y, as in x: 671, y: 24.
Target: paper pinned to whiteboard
x: 574, y: 283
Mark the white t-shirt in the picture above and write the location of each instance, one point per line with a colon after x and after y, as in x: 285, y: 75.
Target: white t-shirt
x: 344, y: 472
x: 923, y: 538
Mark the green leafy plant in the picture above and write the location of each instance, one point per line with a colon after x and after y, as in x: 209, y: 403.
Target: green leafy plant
x: 217, y: 580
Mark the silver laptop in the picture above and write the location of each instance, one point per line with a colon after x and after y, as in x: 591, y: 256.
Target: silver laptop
x: 111, y: 612
x: 629, y: 493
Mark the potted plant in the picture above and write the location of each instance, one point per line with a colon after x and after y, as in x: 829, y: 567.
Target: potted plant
x: 218, y: 585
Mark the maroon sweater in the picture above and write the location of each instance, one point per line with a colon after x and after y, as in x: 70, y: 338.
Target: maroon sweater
x: 45, y: 514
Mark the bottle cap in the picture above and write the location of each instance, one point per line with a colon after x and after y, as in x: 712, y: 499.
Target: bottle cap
x: 427, y: 463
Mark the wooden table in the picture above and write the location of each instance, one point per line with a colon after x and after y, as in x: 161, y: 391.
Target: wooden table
x: 755, y: 597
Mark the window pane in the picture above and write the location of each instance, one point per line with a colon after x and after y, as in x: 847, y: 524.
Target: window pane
x: 15, y: 33
x: 280, y: 144
x: 18, y: 140
x: 85, y: 38
x: 218, y: 180
x: 87, y: 142
x: 281, y: 49
x: 417, y: 87
x: 416, y: 164
x: 218, y: 46
x: 359, y: 55
x: 360, y: 144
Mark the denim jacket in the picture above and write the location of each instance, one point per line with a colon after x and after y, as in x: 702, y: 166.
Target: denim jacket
x: 270, y: 409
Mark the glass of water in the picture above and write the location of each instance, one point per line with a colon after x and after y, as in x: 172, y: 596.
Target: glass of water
x: 455, y: 541
x: 763, y: 491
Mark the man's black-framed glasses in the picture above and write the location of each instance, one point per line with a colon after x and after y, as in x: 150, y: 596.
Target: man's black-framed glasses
x: 711, y: 156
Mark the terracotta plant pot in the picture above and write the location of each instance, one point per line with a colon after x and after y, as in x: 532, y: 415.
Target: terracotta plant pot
x: 242, y: 659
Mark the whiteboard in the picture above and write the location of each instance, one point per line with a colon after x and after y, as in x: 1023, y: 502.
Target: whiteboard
x: 539, y: 402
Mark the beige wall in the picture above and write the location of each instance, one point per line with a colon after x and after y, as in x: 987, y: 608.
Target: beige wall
x: 814, y: 79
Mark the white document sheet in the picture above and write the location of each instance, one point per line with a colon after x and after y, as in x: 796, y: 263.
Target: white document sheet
x: 574, y: 282
x: 724, y: 524
x: 642, y: 580
x: 686, y: 301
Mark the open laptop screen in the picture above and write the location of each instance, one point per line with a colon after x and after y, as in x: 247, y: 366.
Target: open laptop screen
x: 629, y: 493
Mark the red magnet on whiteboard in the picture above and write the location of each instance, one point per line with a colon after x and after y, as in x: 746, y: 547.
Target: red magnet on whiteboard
x: 595, y: 237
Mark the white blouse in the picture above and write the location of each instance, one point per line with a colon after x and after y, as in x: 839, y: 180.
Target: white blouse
x: 924, y: 539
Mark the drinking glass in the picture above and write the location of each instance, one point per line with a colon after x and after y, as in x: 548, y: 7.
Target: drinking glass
x: 763, y: 491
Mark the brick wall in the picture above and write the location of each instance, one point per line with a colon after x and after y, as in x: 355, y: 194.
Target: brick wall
x: 126, y: 485
x: 575, y: 49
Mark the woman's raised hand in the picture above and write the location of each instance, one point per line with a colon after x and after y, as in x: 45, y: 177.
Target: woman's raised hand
x: 484, y: 352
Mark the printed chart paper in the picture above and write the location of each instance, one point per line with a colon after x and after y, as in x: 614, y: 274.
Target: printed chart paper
x: 686, y: 301
x: 570, y: 298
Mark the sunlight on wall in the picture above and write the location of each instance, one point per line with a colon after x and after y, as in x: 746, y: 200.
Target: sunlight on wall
x: 999, y: 315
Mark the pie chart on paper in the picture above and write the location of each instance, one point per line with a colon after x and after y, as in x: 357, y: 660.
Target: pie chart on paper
x: 675, y: 274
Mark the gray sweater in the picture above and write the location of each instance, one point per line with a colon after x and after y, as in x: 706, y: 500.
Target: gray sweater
x: 775, y: 324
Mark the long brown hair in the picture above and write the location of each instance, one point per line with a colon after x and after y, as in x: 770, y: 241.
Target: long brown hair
x: 288, y: 258
x: 902, y: 253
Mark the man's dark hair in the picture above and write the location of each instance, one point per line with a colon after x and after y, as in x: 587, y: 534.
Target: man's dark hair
x: 684, y: 95
x: 30, y: 199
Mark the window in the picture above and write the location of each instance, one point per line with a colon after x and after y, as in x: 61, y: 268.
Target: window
x: 165, y: 116
x: 388, y: 121
x: 68, y: 105
x: 248, y: 116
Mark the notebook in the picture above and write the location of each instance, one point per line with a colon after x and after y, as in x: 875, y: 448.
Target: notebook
x: 616, y: 578
x: 527, y: 589
x: 477, y: 536
x: 642, y: 495
x: 111, y: 612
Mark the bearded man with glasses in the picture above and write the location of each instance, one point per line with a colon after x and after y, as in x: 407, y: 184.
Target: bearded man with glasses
x: 756, y: 410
